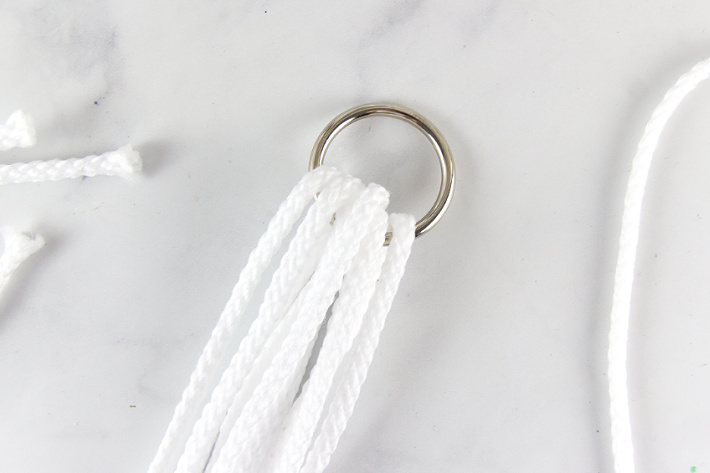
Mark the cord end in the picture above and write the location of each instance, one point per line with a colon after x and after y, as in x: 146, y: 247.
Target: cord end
x: 127, y: 161
x: 18, y: 131
x: 21, y: 245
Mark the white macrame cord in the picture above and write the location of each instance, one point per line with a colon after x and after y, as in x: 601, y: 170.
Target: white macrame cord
x: 267, y: 412
x: 123, y: 162
x: 622, y: 445
x: 19, y: 132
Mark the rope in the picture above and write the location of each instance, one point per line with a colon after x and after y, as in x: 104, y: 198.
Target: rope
x: 265, y: 411
x: 622, y: 445
x: 198, y: 388
x: 19, y: 131
x: 360, y: 357
x: 18, y: 247
x: 293, y: 273
x: 123, y: 162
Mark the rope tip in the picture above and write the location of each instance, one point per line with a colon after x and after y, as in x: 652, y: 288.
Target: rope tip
x: 128, y: 161
x: 20, y: 131
x: 22, y: 245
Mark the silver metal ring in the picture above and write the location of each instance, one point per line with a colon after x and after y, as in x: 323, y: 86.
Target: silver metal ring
x: 434, y: 136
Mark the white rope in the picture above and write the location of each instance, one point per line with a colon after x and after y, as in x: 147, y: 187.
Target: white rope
x: 622, y: 445
x: 294, y: 271
x: 244, y: 448
x: 201, y: 379
x: 123, y: 162
x: 18, y: 131
x: 18, y: 247
x: 261, y: 415
x: 345, y: 322
x: 360, y: 357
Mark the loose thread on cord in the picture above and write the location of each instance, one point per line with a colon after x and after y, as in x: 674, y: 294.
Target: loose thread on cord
x: 261, y: 415
x: 622, y: 445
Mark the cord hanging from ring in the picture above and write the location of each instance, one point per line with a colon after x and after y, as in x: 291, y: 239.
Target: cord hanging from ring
x: 441, y: 147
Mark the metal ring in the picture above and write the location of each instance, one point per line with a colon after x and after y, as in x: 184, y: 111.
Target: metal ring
x: 434, y: 136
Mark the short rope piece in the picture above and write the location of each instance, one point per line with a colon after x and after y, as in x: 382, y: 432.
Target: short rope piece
x: 268, y: 409
x: 123, y: 162
x: 622, y: 445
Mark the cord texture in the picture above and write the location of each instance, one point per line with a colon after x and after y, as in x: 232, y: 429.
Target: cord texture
x: 622, y: 445
x: 19, y: 131
x: 270, y: 408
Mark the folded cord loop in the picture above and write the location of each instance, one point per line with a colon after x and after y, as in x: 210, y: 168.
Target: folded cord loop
x: 268, y: 411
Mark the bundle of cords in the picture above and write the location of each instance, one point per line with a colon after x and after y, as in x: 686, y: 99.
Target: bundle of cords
x: 268, y: 411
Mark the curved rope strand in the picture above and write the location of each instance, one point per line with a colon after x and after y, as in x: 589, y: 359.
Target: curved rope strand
x: 622, y: 445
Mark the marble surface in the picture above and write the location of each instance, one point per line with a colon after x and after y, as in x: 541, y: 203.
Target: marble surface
x: 493, y: 358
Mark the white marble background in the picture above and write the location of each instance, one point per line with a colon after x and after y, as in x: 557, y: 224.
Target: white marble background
x: 493, y: 359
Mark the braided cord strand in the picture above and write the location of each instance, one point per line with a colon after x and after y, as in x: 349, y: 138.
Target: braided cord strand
x: 295, y: 268
x: 360, y: 357
x: 289, y: 212
x: 276, y: 339
x: 345, y: 321
x: 266, y: 408
x: 123, y: 162
x: 622, y: 445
